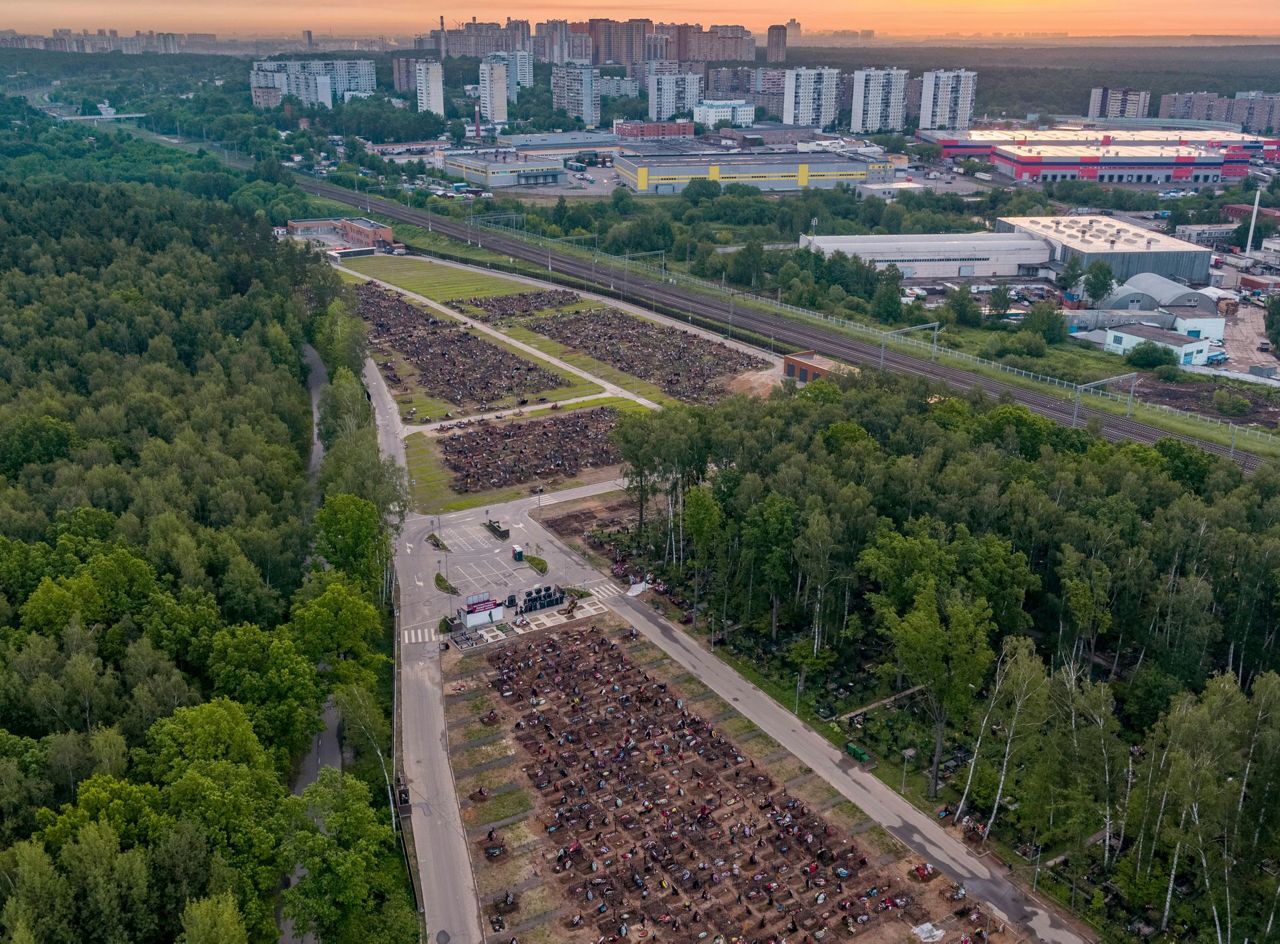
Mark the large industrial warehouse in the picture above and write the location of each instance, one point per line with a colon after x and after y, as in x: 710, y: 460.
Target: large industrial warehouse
x: 491, y: 172
x: 978, y: 144
x: 1126, y: 248
x: 670, y: 173
x: 947, y: 255
x: 1124, y: 165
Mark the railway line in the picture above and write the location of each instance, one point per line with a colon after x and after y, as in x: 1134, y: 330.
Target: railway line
x: 640, y: 289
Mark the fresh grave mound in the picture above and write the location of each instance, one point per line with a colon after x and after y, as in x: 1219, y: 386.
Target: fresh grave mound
x: 451, y: 363
x: 497, y: 456
x: 683, y: 363
x: 501, y: 307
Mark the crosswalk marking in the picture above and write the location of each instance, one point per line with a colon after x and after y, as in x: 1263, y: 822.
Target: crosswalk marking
x: 604, y: 590
x: 417, y: 634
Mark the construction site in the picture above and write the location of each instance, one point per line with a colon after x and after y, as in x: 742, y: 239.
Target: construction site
x: 608, y: 797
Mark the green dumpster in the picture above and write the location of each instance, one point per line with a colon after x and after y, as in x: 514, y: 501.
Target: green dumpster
x: 857, y: 753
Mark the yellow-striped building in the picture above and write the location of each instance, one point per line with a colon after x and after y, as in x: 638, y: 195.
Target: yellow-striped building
x: 670, y: 173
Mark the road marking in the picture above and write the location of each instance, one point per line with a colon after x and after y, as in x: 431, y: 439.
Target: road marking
x: 417, y: 580
x: 415, y: 635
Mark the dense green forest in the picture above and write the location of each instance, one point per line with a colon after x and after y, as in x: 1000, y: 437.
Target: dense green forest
x: 1017, y: 80
x: 1092, y: 626
x: 174, y: 608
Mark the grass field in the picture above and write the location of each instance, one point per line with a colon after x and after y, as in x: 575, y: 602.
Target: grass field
x: 431, y: 279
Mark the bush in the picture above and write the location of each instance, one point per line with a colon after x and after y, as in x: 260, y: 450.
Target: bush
x: 1170, y: 373
x: 537, y: 563
x: 1022, y: 343
x: 1230, y: 404
x: 1148, y: 355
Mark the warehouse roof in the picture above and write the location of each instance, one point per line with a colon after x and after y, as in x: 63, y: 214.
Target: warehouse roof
x: 1099, y: 234
x: 940, y: 243
x: 1097, y: 136
x: 1077, y: 151
x: 1158, y: 335
x: 758, y: 157
x: 1164, y: 291
x: 584, y: 139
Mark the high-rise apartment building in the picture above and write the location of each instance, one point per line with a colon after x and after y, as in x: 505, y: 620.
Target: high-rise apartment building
x: 1118, y: 103
x: 946, y: 99
x: 479, y: 39
x: 1255, y: 112
x: 793, y: 32
x: 429, y: 84
x: 576, y: 89
x: 673, y: 94
x: 404, y: 73
x: 689, y: 41
x: 315, y: 82
x: 614, y: 86
x: 495, y: 88
x: 809, y: 97
x: 617, y: 41
x: 879, y: 100
x: 776, y: 52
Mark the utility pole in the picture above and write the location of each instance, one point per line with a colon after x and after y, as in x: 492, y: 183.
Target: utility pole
x: 884, y: 336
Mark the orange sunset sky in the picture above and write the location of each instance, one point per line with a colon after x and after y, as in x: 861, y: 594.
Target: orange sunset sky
x: 903, y: 17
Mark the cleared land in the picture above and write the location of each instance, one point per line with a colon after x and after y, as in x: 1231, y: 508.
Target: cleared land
x: 431, y: 279
x: 624, y: 804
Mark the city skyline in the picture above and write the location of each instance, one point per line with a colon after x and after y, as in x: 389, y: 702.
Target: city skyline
x: 910, y: 18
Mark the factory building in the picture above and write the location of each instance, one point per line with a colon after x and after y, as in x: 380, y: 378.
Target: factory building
x: 1119, y: 165
x: 1188, y: 351
x: 561, y: 146
x: 1147, y: 291
x: 652, y: 130
x: 1126, y: 248
x: 978, y: 144
x: 946, y: 255
x: 494, y: 172
x: 771, y: 172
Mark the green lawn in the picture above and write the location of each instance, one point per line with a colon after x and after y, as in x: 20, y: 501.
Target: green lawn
x: 431, y: 279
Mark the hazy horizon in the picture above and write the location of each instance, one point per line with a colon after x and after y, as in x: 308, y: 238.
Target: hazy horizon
x: 1152, y: 18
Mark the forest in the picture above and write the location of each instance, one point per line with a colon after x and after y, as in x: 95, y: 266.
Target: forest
x: 177, y: 598
x: 1091, y: 627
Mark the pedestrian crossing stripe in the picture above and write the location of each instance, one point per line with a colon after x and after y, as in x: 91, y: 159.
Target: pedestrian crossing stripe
x: 604, y: 590
x: 417, y: 635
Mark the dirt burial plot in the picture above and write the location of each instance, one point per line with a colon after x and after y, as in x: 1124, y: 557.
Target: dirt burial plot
x: 450, y: 362
x: 682, y: 363
x: 652, y: 825
x: 495, y: 308
x: 492, y: 457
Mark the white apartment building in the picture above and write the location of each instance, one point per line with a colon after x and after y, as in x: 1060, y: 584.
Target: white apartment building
x: 430, y: 87
x: 317, y: 81
x: 1119, y: 103
x: 738, y: 112
x: 946, y: 99
x: 494, y: 90
x: 673, y: 94
x: 576, y: 89
x: 810, y: 97
x: 879, y: 100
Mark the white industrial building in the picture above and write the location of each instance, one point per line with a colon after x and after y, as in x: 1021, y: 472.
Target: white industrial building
x: 738, y: 112
x: 430, y: 87
x: 1126, y: 248
x: 1189, y: 351
x: 947, y: 255
x: 946, y: 99
x: 673, y: 94
x: 879, y: 100
x: 810, y: 97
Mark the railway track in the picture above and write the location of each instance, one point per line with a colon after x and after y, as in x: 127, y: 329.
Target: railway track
x: 640, y: 289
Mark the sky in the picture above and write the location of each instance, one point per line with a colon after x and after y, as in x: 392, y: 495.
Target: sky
x: 902, y: 17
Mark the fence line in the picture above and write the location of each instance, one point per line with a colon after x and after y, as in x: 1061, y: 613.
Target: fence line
x: 886, y: 338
